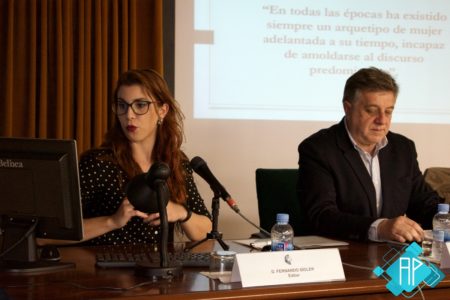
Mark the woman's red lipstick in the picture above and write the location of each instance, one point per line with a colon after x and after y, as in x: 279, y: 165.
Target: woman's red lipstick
x: 131, y: 128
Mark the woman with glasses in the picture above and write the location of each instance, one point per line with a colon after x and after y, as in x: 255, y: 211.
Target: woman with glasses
x: 147, y: 128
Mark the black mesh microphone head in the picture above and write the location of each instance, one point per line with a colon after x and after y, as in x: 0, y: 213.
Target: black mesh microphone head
x: 142, y: 191
x: 141, y: 195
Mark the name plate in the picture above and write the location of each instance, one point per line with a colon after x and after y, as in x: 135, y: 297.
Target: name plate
x: 286, y: 267
x: 445, y: 256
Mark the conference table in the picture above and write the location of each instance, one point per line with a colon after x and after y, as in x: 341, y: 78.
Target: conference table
x: 86, y: 281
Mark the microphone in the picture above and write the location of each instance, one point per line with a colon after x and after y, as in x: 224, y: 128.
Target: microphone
x: 201, y: 168
x: 142, y: 190
x: 149, y: 193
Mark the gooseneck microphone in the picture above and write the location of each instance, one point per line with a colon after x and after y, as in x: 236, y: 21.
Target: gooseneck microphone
x: 201, y: 168
x: 149, y: 193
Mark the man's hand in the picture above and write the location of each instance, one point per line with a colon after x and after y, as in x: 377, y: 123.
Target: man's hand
x: 401, y: 229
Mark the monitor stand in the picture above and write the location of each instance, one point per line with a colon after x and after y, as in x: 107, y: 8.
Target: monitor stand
x: 18, y: 253
x: 33, y: 267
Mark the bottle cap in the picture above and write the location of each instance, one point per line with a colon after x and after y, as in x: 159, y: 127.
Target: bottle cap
x: 443, y: 207
x: 282, y: 218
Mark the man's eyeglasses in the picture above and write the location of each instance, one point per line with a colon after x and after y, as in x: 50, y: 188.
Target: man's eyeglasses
x: 139, y: 107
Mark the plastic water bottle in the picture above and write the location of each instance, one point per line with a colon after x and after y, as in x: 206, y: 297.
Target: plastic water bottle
x: 441, y: 229
x: 282, y: 234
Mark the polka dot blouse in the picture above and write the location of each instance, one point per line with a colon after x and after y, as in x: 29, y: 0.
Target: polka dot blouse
x: 102, y: 189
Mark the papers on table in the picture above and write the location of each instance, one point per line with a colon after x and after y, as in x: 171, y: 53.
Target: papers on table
x: 300, y: 242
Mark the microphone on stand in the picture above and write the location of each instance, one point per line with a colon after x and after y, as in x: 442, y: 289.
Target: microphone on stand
x: 201, y: 168
x: 149, y: 193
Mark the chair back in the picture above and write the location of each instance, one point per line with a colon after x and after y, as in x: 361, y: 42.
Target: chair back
x: 276, y: 190
x: 439, y: 180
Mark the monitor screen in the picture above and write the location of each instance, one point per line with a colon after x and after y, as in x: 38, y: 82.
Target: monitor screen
x: 40, y: 196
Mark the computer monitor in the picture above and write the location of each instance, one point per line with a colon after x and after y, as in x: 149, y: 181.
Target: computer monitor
x: 39, y: 198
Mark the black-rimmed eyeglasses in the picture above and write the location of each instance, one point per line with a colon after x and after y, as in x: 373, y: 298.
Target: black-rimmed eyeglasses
x: 139, y: 107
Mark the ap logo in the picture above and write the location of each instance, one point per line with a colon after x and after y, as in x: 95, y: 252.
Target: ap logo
x: 404, y: 271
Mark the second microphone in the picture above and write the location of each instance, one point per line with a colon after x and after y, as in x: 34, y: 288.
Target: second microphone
x: 201, y: 168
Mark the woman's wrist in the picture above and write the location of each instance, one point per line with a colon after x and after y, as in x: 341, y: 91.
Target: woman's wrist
x: 188, y: 215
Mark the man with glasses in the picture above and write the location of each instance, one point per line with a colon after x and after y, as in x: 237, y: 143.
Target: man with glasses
x: 357, y: 179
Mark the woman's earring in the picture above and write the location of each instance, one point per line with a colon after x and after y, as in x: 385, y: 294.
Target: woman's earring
x: 160, y: 120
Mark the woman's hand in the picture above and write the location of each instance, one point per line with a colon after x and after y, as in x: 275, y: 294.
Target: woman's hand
x: 124, y: 213
x: 175, y: 212
x: 195, y: 228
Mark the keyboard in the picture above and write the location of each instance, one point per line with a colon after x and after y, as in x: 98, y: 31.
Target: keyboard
x: 128, y: 256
